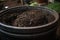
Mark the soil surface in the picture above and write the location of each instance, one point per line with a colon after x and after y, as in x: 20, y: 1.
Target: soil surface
x: 27, y: 19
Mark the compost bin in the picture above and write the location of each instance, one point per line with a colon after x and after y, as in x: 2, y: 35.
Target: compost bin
x: 28, y: 23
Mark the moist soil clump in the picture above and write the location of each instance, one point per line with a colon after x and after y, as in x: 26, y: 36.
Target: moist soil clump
x: 28, y: 18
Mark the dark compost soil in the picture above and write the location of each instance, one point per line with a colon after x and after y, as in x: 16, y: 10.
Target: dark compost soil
x: 27, y: 19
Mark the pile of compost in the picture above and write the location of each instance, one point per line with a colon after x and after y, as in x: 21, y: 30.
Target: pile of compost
x: 27, y: 18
